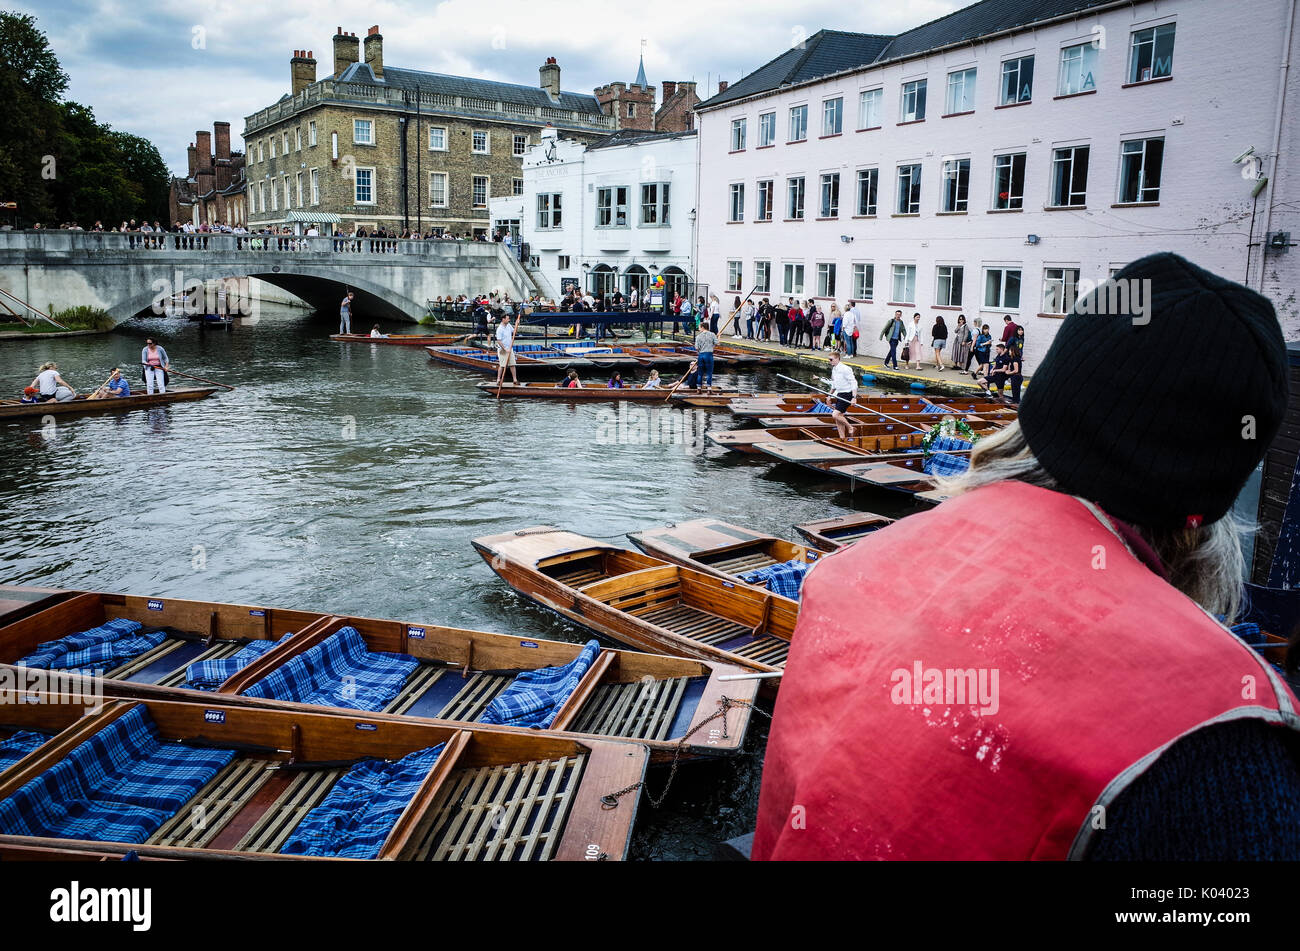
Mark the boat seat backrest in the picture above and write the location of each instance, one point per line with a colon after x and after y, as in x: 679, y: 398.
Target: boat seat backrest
x: 340, y: 671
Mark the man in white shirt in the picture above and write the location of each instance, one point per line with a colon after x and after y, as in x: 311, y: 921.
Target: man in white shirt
x: 848, y: 325
x: 506, y: 348
x: 844, y: 386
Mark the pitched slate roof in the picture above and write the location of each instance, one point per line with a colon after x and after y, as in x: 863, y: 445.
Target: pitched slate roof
x: 828, y: 52
x: 529, y: 96
x: 636, y: 137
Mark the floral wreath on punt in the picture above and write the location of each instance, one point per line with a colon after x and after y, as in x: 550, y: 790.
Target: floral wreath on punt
x: 950, y: 429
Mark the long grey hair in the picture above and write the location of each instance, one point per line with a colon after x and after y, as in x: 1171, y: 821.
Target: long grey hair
x: 1205, y: 563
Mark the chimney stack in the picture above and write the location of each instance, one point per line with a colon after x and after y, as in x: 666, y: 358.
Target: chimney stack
x: 191, y: 155
x: 375, y: 51
x: 302, y: 71
x: 347, y: 50
x: 203, y: 149
x: 722, y: 85
x: 550, y: 77
x: 670, y: 87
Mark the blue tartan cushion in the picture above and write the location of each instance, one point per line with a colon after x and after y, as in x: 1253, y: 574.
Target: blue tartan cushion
x: 820, y: 407
x: 784, y: 579
x: 211, y: 674
x: 19, y: 745
x: 936, y: 407
x: 109, y: 645
x: 534, y: 697
x: 338, y: 672
x: 120, y: 785
x: 950, y: 444
x: 943, y: 464
x: 358, y: 815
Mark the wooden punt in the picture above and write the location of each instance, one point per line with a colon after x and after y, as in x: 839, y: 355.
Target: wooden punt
x: 745, y: 440
x: 829, y: 534
x: 824, y: 450
x: 642, y: 601
x: 720, y: 548
x: 403, y: 340
x: 722, y: 356
x: 801, y: 406
x: 20, y: 601
x: 894, y: 475
x: 490, y: 796
x: 552, y: 391
x: 652, y: 700
x: 485, y: 361
x: 597, y: 355
x: 922, y: 420
x: 650, y: 356
x: 714, y: 400
x: 80, y: 405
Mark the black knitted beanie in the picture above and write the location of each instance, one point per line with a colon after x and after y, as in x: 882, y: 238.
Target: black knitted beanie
x: 1159, y: 413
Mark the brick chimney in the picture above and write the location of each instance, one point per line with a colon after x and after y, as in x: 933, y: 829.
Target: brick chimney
x: 347, y: 50
x: 203, y: 148
x: 722, y: 85
x: 375, y: 51
x: 191, y: 155
x: 550, y: 77
x: 302, y: 71
x: 670, y: 87
x: 221, y: 134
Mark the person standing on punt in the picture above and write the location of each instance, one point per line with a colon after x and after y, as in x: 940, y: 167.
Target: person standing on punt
x: 345, y: 314
x: 156, y: 364
x: 506, y: 348
x: 952, y: 725
x: 51, y: 386
x: 844, y: 385
x: 705, y: 341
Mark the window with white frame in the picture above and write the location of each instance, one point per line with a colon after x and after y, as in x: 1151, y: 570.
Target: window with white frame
x: 480, y: 143
x: 297, y: 139
x: 763, y: 211
x: 481, y: 191
x: 961, y: 91
x: 438, y: 189
x: 762, y: 277
x: 1017, y: 81
x: 314, y: 179
x: 833, y: 116
x: 735, y: 274
x: 364, y: 191
x: 794, y: 194
x: 519, y: 144
x: 798, y: 123
x: 1151, y: 55
x: 868, y: 187
x: 1139, y: 170
x: 275, y: 198
x: 437, y: 138
x: 767, y: 129
x: 1070, y: 177
x: 956, y: 185
x: 738, y: 135
x: 252, y: 201
x: 1002, y: 288
x: 830, y: 204
x: 913, y: 105
x: 1078, y: 69
x: 548, y: 210
x: 825, y: 279
x: 285, y: 138
x: 1060, y: 289
x: 261, y: 196
x: 947, y: 286
x: 516, y: 186
x: 654, y: 204
x: 864, y: 281
x: 298, y: 186
x: 363, y: 131
x: 904, y: 289
x: 284, y: 183
x: 272, y: 146
x: 562, y: 262
x: 260, y: 156
x: 870, y: 103
x: 612, y: 206
x: 793, y: 279
x: 909, y: 190
x: 1009, y: 181
x: 311, y: 134
x: 737, y: 211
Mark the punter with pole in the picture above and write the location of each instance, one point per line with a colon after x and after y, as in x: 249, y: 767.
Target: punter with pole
x: 155, y: 364
x: 506, y: 348
x: 844, y: 388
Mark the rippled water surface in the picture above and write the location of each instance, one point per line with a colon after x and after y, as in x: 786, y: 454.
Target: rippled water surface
x: 350, y: 478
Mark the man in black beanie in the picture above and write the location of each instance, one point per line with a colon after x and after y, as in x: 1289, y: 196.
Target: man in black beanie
x: 1102, y: 710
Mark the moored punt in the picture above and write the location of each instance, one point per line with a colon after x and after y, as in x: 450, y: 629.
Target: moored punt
x: 80, y: 405
x: 597, y: 355
x: 169, y: 779
x: 642, y: 601
x: 731, y: 552
x: 408, y: 670
x: 714, y: 400
x: 843, y: 530
x: 895, y: 475
x: 403, y: 340
x: 893, y: 405
x: 551, y: 391
x: 811, y: 449
x: 526, y: 360
x: 925, y: 421
x: 19, y: 601
x: 745, y: 440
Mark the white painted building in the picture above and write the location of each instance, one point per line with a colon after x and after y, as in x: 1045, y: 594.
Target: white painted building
x: 608, y: 216
x: 988, y: 161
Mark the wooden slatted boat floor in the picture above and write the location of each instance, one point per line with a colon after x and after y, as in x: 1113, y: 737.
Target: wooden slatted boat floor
x: 513, y: 812
x: 641, y: 710
x: 700, y: 625
x: 739, y: 562
x: 175, y: 677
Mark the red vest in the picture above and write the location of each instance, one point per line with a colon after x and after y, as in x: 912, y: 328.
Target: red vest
x: 1012, y: 600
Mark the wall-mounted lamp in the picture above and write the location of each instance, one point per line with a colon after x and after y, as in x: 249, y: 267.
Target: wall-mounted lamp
x: 846, y: 238
x: 1032, y: 239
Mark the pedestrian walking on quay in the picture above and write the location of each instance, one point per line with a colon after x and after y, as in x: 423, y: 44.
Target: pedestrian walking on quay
x: 980, y: 352
x: 1006, y: 717
x: 961, y: 344
x: 895, y: 332
x: 345, y: 314
x: 705, y: 341
x: 939, y: 340
x: 912, y: 343
x: 837, y: 326
x: 849, y: 327
x: 816, y: 325
x: 782, y: 317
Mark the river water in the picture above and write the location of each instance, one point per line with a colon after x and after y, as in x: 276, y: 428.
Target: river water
x: 351, y: 477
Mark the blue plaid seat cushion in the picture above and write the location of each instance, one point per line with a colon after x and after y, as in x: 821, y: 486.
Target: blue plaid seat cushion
x: 950, y: 444
x: 120, y: 785
x: 105, y: 647
x: 534, y: 697
x: 945, y: 464
x: 820, y: 407
x: 784, y: 579
x: 340, y: 671
x: 211, y: 674
x: 936, y: 407
x: 358, y: 815
x: 18, y: 745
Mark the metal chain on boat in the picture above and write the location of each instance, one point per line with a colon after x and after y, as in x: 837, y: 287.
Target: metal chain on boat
x: 610, y: 801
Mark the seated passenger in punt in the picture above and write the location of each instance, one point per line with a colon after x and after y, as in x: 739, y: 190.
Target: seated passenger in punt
x: 571, y: 380
x: 52, y: 387
x: 652, y: 381
x: 615, y: 381
x: 114, y: 387
x: 374, y: 332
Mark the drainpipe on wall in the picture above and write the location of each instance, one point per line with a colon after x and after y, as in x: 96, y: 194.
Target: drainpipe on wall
x: 406, y: 197
x: 1288, y: 35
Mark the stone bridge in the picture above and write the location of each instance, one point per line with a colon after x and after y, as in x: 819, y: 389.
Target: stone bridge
x: 125, y: 274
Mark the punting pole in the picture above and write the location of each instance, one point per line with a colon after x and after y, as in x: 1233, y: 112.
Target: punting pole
x: 201, y: 380
x: 756, y: 675
x: 865, y: 409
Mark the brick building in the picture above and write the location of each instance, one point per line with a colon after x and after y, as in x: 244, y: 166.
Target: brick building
x: 634, y: 106
x: 213, y: 192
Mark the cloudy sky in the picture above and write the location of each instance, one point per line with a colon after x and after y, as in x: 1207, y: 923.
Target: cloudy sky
x: 163, y: 68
